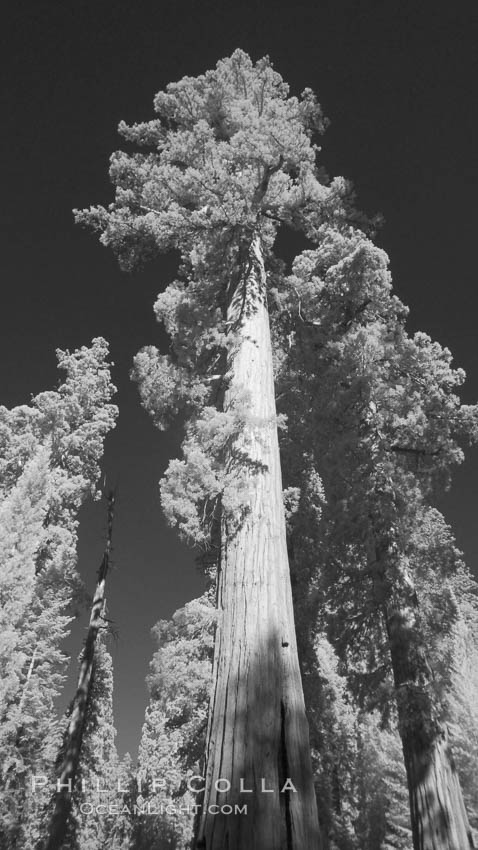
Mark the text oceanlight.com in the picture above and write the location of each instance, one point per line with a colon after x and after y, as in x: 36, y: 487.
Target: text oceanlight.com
x: 161, y: 809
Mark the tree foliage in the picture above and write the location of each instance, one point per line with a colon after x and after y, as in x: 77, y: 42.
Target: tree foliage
x: 174, y: 732
x: 99, y: 764
x: 379, y: 413
x: 229, y: 154
x: 49, y: 465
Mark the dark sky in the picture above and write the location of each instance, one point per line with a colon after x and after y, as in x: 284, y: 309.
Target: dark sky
x: 399, y: 81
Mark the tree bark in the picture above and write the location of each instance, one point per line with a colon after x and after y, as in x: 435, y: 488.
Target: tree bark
x: 438, y: 816
x: 258, y: 734
x: 58, y: 828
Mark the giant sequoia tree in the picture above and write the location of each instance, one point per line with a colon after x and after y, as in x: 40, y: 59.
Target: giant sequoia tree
x: 384, y: 428
x: 228, y: 159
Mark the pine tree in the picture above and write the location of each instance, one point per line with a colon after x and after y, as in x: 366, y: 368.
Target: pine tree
x: 229, y: 159
x: 50, y: 452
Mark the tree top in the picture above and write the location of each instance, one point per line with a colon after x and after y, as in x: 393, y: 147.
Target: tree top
x: 229, y: 153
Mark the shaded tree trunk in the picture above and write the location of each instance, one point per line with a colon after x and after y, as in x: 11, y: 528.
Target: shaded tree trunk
x: 58, y: 828
x: 438, y: 817
x: 258, y: 739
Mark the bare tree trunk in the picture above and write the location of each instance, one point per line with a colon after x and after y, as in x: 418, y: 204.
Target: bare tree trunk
x: 58, y: 828
x: 438, y: 816
x: 27, y: 680
x: 258, y: 738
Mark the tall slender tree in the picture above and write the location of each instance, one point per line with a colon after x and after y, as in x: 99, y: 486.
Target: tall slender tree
x: 96, y: 800
x: 49, y: 465
x: 229, y: 159
x: 73, y: 742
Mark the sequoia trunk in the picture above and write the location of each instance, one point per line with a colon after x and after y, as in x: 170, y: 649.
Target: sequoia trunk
x: 438, y: 816
x: 257, y: 755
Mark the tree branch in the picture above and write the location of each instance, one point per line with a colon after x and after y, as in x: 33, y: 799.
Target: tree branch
x: 414, y: 451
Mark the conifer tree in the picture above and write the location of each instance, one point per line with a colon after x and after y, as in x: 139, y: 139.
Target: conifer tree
x: 373, y: 413
x: 455, y: 660
x: 174, y: 733
x: 50, y: 451
x: 99, y: 768
x: 384, y: 434
x: 383, y: 816
x: 75, y: 732
x: 333, y: 720
x: 228, y: 159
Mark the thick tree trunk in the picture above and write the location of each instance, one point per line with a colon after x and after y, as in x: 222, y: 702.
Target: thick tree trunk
x: 438, y: 816
x: 58, y: 828
x: 258, y: 739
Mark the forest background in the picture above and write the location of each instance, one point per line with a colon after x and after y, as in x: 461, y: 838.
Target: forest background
x: 398, y: 82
